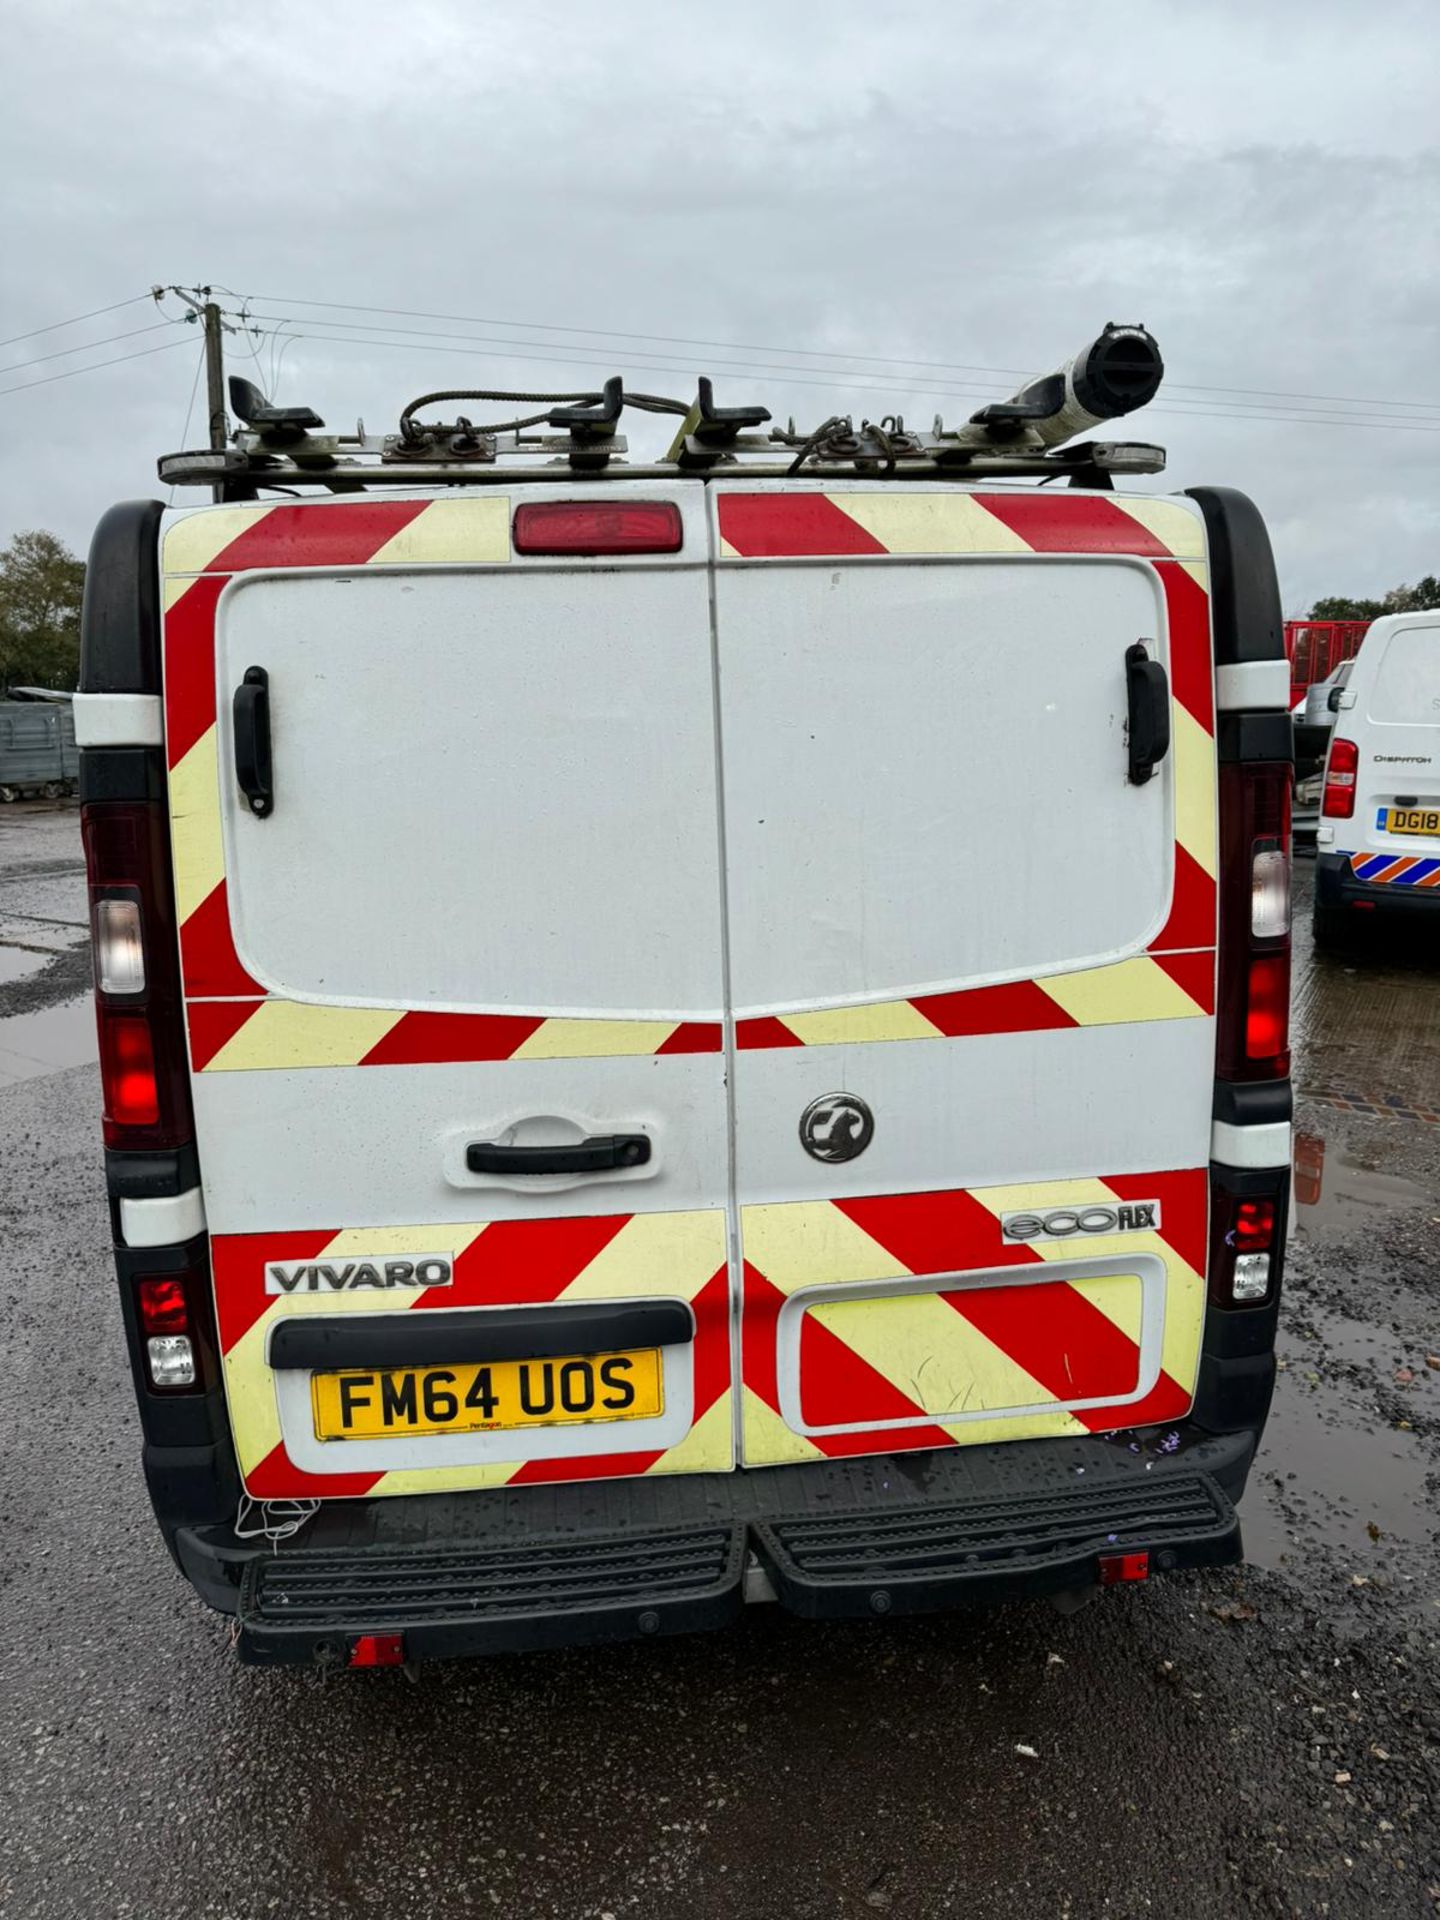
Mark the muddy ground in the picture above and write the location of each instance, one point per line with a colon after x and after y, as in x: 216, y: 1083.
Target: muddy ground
x: 1264, y: 1741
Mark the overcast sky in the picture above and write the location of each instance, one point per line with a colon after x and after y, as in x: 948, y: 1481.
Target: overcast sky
x: 959, y: 182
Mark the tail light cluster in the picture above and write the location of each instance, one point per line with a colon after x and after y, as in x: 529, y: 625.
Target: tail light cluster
x: 1253, y: 1038
x: 1337, y: 802
x: 168, y: 1314
x: 137, y: 975
x: 1243, y: 1263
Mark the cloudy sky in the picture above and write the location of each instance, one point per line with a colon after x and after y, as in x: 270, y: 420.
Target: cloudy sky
x: 855, y: 206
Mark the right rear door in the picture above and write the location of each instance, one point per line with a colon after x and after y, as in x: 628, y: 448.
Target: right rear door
x: 962, y: 940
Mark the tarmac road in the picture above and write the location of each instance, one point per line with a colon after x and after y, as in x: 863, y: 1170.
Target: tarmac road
x: 1262, y: 1742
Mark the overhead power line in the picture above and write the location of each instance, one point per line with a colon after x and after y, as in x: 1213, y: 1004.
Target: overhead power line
x: 56, y: 325
x: 61, y: 353
x: 809, y: 353
x: 73, y: 373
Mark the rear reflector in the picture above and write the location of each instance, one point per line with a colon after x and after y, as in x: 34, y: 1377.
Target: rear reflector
x: 378, y: 1650
x: 1116, y: 1568
x: 597, y: 527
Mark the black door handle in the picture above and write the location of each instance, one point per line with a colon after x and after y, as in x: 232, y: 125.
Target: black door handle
x: 601, y: 1153
x: 1148, y: 693
x: 252, y: 741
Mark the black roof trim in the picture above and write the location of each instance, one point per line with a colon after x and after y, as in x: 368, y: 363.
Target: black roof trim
x: 120, y: 618
x: 1244, y: 592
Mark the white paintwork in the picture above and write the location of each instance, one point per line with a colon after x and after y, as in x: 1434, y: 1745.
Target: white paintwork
x: 162, y: 1222
x: 1248, y: 686
x: 493, y: 791
x: 1391, y: 710
x: 992, y: 1109
x: 1147, y: 1268
x: 1268, y: 1145
x: 890, y: 735
x: 118, y: 720
x: 379, y: 1146
x: 575, y: 1441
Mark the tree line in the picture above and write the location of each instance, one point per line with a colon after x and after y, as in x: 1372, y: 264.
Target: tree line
x: 42, y: 582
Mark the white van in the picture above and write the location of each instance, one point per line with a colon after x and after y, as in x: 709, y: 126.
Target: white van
x: 687, y: 1033
x: 1378, y: 840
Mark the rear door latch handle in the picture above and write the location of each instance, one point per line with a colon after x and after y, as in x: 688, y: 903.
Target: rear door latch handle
x: 600, y: 1153
x: 253, y: 769
x: 1148, y: 697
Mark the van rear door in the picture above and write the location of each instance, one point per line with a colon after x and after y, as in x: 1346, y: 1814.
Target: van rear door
x: 1393, y: 713
x: 972, y: 963
x: 458, y: 1085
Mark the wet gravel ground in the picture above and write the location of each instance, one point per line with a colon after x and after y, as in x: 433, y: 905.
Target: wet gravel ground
x: 1265, y: 1741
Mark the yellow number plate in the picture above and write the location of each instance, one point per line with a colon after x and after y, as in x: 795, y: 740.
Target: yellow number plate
x: 1413, y: 820
x: 494, y: 1397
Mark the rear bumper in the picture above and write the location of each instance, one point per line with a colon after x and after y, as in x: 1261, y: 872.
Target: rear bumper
x: 510, y: 1570
x: 1337, y: 886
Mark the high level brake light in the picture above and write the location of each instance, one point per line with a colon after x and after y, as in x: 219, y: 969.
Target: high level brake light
x: 1253, y: 1037
x: 1338, y: 800
x: 137, y: 975
x: 595, y: 527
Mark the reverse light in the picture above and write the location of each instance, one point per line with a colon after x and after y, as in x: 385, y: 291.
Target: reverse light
x: 1269, y: 893
x: 597, y: 527
x: 1252, y: 1279
x: 119, y: 949
x: 1337, y: 802
x: 170, y: 1359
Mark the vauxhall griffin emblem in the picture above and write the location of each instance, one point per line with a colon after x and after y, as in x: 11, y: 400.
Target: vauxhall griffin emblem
x: 837, y: 1126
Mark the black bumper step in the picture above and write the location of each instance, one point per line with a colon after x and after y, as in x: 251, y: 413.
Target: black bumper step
x: 571, y: 1564
x: 311, y: 1605
x: 867, y: 1561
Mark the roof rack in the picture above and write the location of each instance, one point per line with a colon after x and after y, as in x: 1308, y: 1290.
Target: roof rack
x: 1014, y: 439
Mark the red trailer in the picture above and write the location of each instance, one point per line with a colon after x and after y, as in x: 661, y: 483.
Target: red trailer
x: 1316, y: 648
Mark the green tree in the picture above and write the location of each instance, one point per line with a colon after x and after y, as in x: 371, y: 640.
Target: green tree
x: 1340, y: 607
x: 41, y: 583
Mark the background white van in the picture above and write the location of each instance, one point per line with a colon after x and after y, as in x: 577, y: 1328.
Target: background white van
x: 1379, y: 834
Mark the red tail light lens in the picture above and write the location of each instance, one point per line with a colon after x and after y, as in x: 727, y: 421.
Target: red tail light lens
x: 1338, y: 799
x: 1253, y: 1030
x: 163, y: 1306
x: 1254, y: 1229
x: 598, y: 527
x: 143, y: 1063
x: 127, y: 1071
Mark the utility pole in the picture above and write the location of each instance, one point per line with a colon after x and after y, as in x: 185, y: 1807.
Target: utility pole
x: 215, y: 328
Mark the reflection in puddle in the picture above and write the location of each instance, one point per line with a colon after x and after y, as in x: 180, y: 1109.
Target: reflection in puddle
x: 1336, y: 1193
x: 47, y: 1041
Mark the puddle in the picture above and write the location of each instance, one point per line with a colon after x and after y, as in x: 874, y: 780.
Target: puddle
x: 17, y: 964
x: 1334, y: 1193
x: 47, y: 1041
x: 1334, y: 1471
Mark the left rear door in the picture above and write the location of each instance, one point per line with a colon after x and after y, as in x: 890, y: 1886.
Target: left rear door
x: 485, y: 910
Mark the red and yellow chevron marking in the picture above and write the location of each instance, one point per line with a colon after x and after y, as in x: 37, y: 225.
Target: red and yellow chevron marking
x: 499, y: 1263
x: 1175, y: 978
x: 234, y: 1025
x: 919, y: 1357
